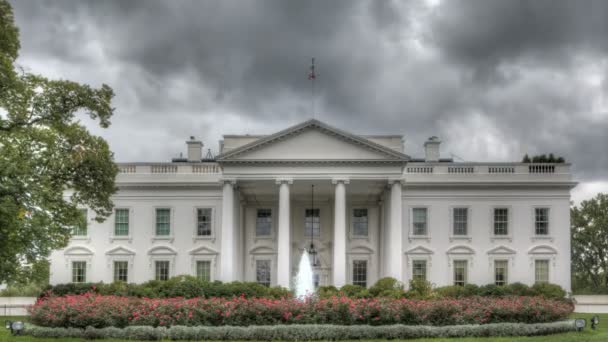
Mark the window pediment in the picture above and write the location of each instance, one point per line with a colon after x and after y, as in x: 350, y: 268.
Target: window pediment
x: 262, y: 250
x: 120, y: 250
x: 419, y: 250
x: 501, y: 250
x: 78, y: 251
x: 361, y: 250
x: 203, y: 251
x: 542, y: 249
x: 461, y: 250
x: 162, y: 250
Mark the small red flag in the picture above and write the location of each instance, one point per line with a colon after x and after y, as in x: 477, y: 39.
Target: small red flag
x: 311, y: 75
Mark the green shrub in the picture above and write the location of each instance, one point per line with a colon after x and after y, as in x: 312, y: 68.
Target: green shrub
x: 305, y: 332
x: 327, y: 291
x: 519, y: 289
x: 492, y: 290
x: 29, y: 290
x: 420, y: 289
x: 385, y: 285
x: 451, y: 291
x: 180, y: 286
x: 352, y: 290
x: 552, y: 291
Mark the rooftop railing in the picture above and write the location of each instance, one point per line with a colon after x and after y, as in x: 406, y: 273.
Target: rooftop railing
x: 168, y: 168
x: 490, y: 169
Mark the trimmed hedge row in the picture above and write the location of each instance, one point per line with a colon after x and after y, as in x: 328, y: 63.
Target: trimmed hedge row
x: 180, y: 286
x: 391, y: 288
x: 191, y: 287
x: 304, y: 332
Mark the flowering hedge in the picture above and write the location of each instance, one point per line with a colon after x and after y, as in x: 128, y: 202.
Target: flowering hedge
x: 99, y: 311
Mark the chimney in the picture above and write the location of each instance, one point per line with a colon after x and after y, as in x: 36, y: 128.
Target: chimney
x: 431, y: 149
x: 195, y: 150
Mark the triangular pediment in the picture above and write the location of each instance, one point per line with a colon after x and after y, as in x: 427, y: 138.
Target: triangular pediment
x: 312, y: 141
x: 419, y: 250
x: 120, y: 250
x: 203, y: 251
x: 501, y: 250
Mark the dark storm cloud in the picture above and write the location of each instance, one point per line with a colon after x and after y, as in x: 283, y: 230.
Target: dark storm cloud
x: 496, y: 79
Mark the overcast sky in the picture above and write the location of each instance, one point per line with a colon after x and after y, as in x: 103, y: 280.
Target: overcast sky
x: 493, y: 79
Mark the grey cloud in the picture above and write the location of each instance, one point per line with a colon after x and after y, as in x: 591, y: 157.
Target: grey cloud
x: 205, y: 68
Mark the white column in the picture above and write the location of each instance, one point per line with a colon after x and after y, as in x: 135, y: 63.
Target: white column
x: 228, y: 240
x: 339, y: 243
x: 284, y: 238
x: 395, y: 233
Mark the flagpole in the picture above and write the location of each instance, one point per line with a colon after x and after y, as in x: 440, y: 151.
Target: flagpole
x: 312, y: 76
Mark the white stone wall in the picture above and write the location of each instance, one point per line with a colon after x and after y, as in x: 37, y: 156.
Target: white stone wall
x: 521, y: 239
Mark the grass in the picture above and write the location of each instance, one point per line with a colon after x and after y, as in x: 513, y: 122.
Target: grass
x: 587, y: 335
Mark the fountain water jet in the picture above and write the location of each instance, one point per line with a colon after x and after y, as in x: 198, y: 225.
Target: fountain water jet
x: 304, y: 283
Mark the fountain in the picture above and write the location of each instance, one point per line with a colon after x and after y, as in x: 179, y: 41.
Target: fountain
x: 304, y: 283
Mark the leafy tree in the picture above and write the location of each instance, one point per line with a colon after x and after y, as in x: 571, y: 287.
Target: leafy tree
x: 44, y: 151
x: 589, y: 228
x: 526, y: 159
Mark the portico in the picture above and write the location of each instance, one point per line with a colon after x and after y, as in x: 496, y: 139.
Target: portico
x: 275, y: 174
x: 330, y: 227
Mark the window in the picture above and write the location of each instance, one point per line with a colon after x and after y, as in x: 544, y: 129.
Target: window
x: 501, y: 272
x: 460, y: 272
x: 316, y: 279
x: 501, y: 221
x: 79, y: 271
x: 121, y: 222
x: 360, y: 220
x: 262, y: 272
x: 203, y: 222
x: 121, y: 271
x: 419, y: 221
x: 360, y: 272
x: 81, y: 228
x: 163, y: 222
x: 419, y: 269
x: 263, y: 222
x: 161, y: 270
x: 460, y: 221
x: 541, y: 271
x: 203, y: 270
x: 541, y: 221
x: 312, y: 223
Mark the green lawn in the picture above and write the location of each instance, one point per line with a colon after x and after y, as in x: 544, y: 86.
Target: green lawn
x: 588, y: 335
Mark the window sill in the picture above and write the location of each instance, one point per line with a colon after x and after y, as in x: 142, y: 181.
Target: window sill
x: 541, y: 238
x: 204, y: 238
x: 163, y: 238
x: 419, y: 237
x: 461, y: 238
x: 501, y: 238
x: 81, y: 238
x: 128, y: 238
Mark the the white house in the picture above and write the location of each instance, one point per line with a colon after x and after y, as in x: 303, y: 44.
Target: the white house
x: 249, y: 214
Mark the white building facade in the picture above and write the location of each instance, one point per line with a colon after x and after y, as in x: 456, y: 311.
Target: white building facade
x: 249, y: 214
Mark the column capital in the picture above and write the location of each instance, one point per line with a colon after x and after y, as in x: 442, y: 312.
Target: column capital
x: 340, y: 180
x: 392, y: 181
x: 231, y: 181
x: 280, y: 181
